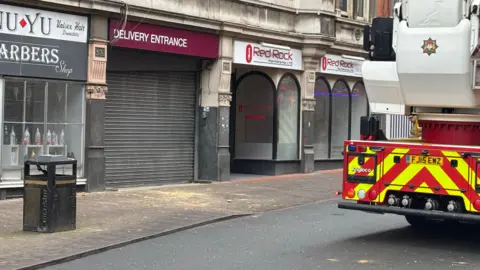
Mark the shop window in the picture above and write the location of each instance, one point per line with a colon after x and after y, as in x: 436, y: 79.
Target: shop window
x: 340, y: 118
x: 322, y: 118
x: 41, y: 118
x: 343, y: 5
x: 254, y: 117
x: 288, y: 114
x: 359, y: 6
x: 359, y: 109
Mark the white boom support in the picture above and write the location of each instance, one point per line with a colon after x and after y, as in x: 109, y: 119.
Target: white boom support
x: 436, y: 45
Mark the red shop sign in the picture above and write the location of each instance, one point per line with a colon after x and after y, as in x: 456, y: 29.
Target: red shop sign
x: 164, y: 39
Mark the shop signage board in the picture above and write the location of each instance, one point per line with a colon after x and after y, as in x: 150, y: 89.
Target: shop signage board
x: 44, y: 44
x: 338, y: 65
x: 256, y: 54
x: 163, y: 39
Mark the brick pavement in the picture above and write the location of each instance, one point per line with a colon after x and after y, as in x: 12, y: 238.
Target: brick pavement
x: 109, y: 218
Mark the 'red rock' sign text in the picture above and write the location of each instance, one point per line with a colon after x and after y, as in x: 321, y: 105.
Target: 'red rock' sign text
x: 268, y: 55
x: 273, y: 53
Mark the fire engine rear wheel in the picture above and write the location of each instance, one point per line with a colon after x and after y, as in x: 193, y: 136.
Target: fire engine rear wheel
x: 422, y: 223
x: 419, y: 222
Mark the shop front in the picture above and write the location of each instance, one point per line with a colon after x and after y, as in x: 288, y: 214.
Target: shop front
x: 43, y: 69
x: 340, y: 102
x: 153, y: 75
x: 265, y: 111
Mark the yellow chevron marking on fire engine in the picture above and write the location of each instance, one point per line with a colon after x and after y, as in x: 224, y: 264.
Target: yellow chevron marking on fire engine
x: 388, y: 161
x: 353, y: 164
x: 424, y: 188
x: 464, y: 169
x: 372, y: 173
x: 436, y: 172
x: 401, y: 180
x: 442, y: 178
x: 447, y: 183
x: 407, y: 175
x: 382, y: 167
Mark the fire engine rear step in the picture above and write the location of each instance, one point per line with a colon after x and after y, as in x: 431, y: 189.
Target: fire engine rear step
x: 406, y: 211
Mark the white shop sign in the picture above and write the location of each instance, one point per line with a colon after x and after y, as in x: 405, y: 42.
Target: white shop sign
x: 255, y: 54
x: 39, y: 23
x: 338, y: 65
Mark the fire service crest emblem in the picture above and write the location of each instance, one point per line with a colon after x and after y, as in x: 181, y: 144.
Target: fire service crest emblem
x: 430, y: 46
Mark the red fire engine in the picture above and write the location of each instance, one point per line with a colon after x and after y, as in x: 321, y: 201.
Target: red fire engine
x: 423, y: 63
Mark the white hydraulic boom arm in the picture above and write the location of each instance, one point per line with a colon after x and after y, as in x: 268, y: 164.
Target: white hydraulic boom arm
x: 435, y: 43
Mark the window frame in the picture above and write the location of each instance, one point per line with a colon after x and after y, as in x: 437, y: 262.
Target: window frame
x: 234, y: 116
x: 367, y: 112
x: 275, y: 87
x: 329, y: 122
x: 277, y: 118
x: 349, y: 113
x: 340, y: 6
x: 356, y: 9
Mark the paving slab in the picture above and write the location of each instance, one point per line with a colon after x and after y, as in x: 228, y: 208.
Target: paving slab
x: 110, y: 219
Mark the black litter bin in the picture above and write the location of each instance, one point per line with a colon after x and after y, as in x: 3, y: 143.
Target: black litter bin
x: 49, y: 200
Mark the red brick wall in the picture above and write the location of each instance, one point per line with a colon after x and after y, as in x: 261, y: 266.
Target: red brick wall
x: 384, y: 8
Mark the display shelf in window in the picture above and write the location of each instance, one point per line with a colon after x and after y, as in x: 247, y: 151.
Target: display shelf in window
x: 57, y: 150
x: 11, y: 155
x: 31, y: 151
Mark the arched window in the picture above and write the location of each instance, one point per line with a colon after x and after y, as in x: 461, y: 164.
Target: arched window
x: 255, y: 101
x: 359, y: 108
x: 288, y: 95
x: 322, y: 118
x: 340, y: 117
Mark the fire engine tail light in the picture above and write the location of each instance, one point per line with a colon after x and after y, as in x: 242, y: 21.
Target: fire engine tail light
x: 351, y: 193
x: 476, y: 204
x: 361, y: 149
x: 372, y: 195
x: 354, y: 148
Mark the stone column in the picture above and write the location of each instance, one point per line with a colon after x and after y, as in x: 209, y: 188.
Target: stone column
x: 308, y: 127
x: 96, y: 90
x: 224, y: 99
x: 214, y: 147
x: 311, y: 60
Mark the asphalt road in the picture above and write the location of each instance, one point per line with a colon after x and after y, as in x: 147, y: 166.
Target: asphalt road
x: 318, y: 236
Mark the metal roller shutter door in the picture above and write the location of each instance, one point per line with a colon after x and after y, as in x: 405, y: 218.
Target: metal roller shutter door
x: 149, y: 128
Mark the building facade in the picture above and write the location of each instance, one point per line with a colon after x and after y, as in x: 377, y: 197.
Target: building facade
x: 153, y: 75
x: 184, y: 91
x: 340, y: 102
x: 265, y: 109
x: 43, y: 75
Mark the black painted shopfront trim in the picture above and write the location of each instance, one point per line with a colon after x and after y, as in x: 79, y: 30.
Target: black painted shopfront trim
x: 266, y: 167
x: 328, y: 164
